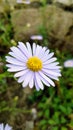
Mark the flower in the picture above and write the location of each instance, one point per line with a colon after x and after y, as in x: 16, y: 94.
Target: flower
x: 23, y: 1
x: 28, y: 25
x: 36, y: 37
x: 7, y: 127
x: 19, y: 1
x: 34, y: 66
x: 68, y: 63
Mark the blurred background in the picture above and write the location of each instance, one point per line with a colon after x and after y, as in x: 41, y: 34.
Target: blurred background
x: 48, y: 23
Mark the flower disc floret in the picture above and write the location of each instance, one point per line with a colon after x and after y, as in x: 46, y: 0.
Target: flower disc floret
x: 34, y: 63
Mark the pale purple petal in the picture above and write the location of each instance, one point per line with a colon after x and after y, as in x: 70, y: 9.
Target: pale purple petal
x: 39, y: 83
x: 1, y: 126
x: 15, y: 68
x: 47, y: 79
x: 34, y: 48
x: 17, y: 57
x: 21, y: 73
x: 68, y: 63
x: 31, y: 82
x: 51, y: 72
x: 21, y: 79
x: 18, y: 53
x: 36, y: 85
x: 47, y: 52
x: 41, y: 53
x: 36, y: 37
x: 51, y: 67
x: 29, y: 48
x: 23, y: 48
x: 52, y: 77
x: 15, y: 61
x: 7, y: 127
x: 27, y: 78
x: 38, y: 49
x: 52, y: 64
x: 51, y: 60
x: 47, y: 56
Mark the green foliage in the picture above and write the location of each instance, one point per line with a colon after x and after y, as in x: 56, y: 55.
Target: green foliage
x: 6, y: 31
x: 55, y: 105
x: 43, y: 2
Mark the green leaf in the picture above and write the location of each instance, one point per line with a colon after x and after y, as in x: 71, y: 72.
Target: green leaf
x: 55, y: 128
x: 71, y: 124
x: 64, y: 128
x: 46, y: 114
x: 43, y: 122
x: 51, y: 122
x: 63, y: 120
x: 56, y: 117
x: 63, y: 109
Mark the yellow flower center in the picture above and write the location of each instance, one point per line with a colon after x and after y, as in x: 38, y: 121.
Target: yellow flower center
x: 34, y: 63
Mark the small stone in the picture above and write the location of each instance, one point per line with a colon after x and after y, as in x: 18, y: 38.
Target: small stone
x: 29, y: 125
x: 34, y: 113
x: 64, y: 2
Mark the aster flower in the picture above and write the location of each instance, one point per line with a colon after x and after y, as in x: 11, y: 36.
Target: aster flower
x: 7, y: 127
x: 33, y: 66
x: 36, y: 37
x: 68, y: 63
x: 19, y: 1
x: 23, y: 1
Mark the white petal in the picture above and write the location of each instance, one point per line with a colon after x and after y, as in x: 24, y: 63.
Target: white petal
x: 51, y: 60
x: 7, y: 127
x: 21, y: 79
x: 15, y: 68
x: 17, y: 57
x: 51, y: 67
x: 27, y: 78
x: 47, y: 52
x: 34, y: 48
x: 29, y: 48
x: 23, y: 49
x: 50, y: 72
x: 52, y: 64
x: 36, y: 85
x: 45, y: 82
x: 68, y: 63
x: 52, y: 77
x: 31, y: 82
x: 39, y: 83
x: 1, y: 126
x: 47, y: 79
x: 55, y: 70
x: 18, y: 53
x: 47, y: 56
x: 38, y: 49
x: 14, y: 61
x: 21, y: 73
x: 42, y: 52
